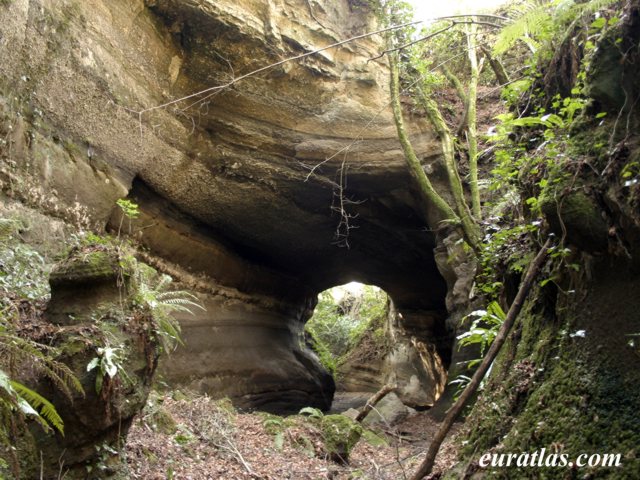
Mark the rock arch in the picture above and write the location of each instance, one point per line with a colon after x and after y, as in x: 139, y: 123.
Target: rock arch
x: 231, y: 201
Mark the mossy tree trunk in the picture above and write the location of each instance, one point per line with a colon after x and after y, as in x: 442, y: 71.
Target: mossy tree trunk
x: 415, y: 168
x: 496, y: 65
x: 469, y: 226
x: 463, y: 217
x: 472, y: 133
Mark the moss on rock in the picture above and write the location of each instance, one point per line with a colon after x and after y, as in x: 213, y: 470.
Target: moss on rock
x: 577, y: 216
x: 85, y: 267
x: 567, y: 381
x: 163, y: 422
x: 340, y: 435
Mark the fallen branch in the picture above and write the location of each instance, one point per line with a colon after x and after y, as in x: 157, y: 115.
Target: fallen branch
x: 426, y: 466
x: 379, y: 395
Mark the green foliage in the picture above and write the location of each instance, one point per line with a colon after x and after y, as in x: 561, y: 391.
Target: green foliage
x: 394, y: 12
x: 152, y: 294
x: 108, y: 362
x: 630, y: 173
x: 16, y: 397
x: 503, y: 245
x: 23, y: 273
x: 482, y: 332
x: 337, y: 325
x: 129, y: 209
x: 461, y: 381
x: 533, y: 25
x: 539, y: 21
x: 311, y: 412
x: 23, y: 278
x: 484, y: 328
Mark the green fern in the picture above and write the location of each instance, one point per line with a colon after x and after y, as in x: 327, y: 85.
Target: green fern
x: 537, y: 20
x: 18, y: 350
x: 30, y: 401
x: 162, y: 304
x: 534, y: 18
x: 484, y: 328
x: 17, y: 397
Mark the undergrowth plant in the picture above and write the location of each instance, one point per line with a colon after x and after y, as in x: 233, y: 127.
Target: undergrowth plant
x: 152, y: 294
x: 108, y: 362
x: 22, y: 282
x: 483, y: 330
x: 338, y: 322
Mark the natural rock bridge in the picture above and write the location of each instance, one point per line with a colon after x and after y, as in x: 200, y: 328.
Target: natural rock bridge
x: 259, y: 195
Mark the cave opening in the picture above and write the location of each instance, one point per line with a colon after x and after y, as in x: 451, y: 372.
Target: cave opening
x: 358, y: 335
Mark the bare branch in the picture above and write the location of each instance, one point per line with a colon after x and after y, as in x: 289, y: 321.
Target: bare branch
x: 273, y: 65
x: 422, y: 39
x: 434, y: 34
x: 373, y: 401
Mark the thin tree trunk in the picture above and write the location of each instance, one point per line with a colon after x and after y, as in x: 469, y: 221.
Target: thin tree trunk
x: 472, y: 133
x: 427, y: 465
x: 462, y: 94
x: 496, y: 66
x: 415, y: 168
x: 455, y: 83
x: 469, y: 226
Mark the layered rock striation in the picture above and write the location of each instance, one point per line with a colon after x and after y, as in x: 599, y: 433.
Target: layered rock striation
x: 260, y: 192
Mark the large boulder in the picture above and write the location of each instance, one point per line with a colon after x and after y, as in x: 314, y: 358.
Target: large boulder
x: 95, y: 421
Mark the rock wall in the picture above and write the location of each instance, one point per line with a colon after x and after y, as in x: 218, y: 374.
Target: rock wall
x: 391, y: 355
x: 261, y: 193
x: 566, y: 380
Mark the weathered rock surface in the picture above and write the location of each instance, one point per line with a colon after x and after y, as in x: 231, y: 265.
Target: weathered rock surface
x: 388, y: 411
x: 97, y: 421
x: 286, y: 183
x: 83, y: 285
x: 391, y: 355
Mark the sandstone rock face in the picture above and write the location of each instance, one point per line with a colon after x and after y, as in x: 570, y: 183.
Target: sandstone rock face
x: 267, y: 191
x: 82, y: 286
x: 396, y: 358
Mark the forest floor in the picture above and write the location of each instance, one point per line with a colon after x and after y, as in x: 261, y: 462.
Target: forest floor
x: 188, y: 437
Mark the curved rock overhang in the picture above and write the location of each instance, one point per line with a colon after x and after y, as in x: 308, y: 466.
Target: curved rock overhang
x: 262, y: 193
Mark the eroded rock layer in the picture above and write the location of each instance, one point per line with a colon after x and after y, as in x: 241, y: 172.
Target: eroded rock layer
x: 263, y: 192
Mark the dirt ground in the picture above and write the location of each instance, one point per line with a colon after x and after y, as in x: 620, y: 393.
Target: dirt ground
x: 195, y: 437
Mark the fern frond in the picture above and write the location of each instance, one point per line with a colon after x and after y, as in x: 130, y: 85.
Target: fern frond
x: 535, y: 18
x: 38, y: 356
x: 36, y: 401
x: 181, y: 301
x: 170, y: 329
x: 162, y: 302
x: 163, y: 283
x: 178, y: 294
x: 530, y: 24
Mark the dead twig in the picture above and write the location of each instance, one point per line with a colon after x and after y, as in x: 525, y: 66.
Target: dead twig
x: 379, y: 395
